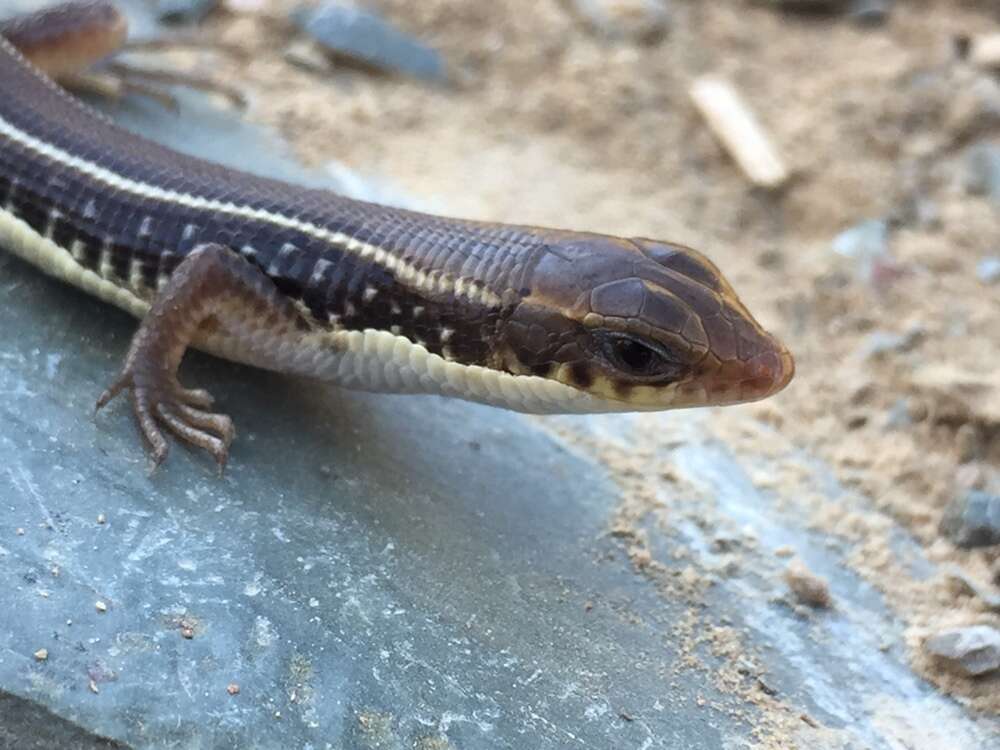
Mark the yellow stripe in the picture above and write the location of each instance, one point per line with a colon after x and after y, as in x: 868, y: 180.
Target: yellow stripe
x: 407, y: 273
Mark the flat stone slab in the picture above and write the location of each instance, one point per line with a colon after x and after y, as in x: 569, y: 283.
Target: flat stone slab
x: 378, y: 571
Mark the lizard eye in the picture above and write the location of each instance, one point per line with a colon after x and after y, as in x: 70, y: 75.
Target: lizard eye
x: 638, y: 358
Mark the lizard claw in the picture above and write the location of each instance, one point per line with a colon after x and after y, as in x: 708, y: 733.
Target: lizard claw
x: 180, y: 410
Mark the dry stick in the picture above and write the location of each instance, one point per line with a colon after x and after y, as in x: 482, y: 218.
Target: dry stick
x: 738, y: 129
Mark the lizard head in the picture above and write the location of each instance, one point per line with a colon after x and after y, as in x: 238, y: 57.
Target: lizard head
x: 641, y: 325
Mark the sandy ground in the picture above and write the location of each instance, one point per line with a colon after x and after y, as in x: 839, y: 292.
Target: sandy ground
x: 550, y: 124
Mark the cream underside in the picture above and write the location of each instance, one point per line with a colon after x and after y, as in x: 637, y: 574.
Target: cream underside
x: 365, y: 360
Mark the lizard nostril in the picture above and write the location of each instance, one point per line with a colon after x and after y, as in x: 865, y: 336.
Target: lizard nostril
x: 775, y: 369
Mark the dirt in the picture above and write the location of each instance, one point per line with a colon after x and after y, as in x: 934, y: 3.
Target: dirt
x: 549, y: 123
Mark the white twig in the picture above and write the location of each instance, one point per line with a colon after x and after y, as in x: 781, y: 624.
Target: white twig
x: 739, y: 131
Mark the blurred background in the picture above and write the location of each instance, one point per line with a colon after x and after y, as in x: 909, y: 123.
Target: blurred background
x: 839, y: 160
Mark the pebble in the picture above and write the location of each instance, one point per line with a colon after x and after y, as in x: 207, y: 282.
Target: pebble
x: 808, y: 587
x: 643, y: 20
x: 308, y: 55
x: 869, y: 12
x: 248, y: 7
x: 973, y: 520
x: 972, y: 651
x: 968, y: 442
x: 970, y: 585
x: 867, y: 244
x: 366, y: 37
x: 879, y: 343
x: 100, y: 606
x: 184, y: 11
x: 866, y: 12
x: 988, y: 269
x: 899, y: 416
x: 982, y: 171
x: 812, y: 6
x: 41, y: 654
x: 868, y: 239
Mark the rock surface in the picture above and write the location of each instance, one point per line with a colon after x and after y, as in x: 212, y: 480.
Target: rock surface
x: 352, y: 32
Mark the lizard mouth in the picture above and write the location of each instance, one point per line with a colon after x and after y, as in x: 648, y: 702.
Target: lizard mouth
x: 763, y: 375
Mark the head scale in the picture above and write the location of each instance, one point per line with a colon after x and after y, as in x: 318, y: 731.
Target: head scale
x: 640, y: 325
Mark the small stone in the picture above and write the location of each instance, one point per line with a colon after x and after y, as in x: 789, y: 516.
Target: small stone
x: 970, y: 477
x: 643, y: 20
x: 233, y: 689
x: 101, y: 518
x: 308, y: 55
x: 187, y: 632
x: 100, y: 606
x: 184, y: 11
x: 771, y: 259
x: 808, y: 587
x: 879, y: 343
x: 93, y: 687
x: 19, y: 531
x: 867, y: 244
x: 988, y: 269
x: 972, y: 651
x: 868, y: 239
x: 248, y: 7
x: 360, y: 35
x: 982, y: 171
x: 784, y: 551
x: 899, y: 416
x: 969, y: 585
x: 869, y: 12
x: 41, y: 654
x: 968, y: 443
x: 973, y: 520
x: 812, y: 6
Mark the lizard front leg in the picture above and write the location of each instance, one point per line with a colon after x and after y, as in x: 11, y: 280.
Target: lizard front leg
x: 212, y: 292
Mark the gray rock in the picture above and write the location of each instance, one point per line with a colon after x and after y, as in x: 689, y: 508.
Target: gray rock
x: 363, y: 36
x: 899, y: 416
x: 982, y: 171
x: 378, y: 572
x: 811, y: 6
x: 972, y: 651
x: 867, y: 244
x: 642, y: 20
x: 866, y: 12
x: 868, y: 239
x: 869, y: 12
x: 973, y: 520
x: 879, y: 343
x: 988, y: 269
x: 184, y: 11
